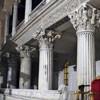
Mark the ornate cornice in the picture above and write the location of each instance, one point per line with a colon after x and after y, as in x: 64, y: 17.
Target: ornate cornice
x: 85, y: 18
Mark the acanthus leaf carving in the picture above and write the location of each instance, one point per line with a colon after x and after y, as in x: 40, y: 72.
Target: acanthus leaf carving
x: 46, y: 37
x: 85, y: 18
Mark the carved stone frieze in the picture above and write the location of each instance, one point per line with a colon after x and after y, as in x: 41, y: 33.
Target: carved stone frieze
x: 56, y: 14
x: 85, y: 18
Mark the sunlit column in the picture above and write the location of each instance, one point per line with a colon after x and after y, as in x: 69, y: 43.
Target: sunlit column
x: 84, y: 21
x: 45, y: 40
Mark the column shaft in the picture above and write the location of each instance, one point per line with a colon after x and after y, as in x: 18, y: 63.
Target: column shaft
x: 85, y: 58
x: 45, y: 39
x: 85, y: 20
x: 15, y: 11
x: 28, y: 8
x: 45, y: 68
x: 25, y: 69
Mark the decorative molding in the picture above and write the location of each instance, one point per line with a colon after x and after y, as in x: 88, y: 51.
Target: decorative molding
x: 51, y: 13
x: 61, y: 11
x: 85, y: 18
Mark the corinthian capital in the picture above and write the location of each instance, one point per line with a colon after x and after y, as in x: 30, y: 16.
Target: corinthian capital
x: 15, y: 1
x: 46, y: 36
x: 24, y: 50
x: 85, y: 18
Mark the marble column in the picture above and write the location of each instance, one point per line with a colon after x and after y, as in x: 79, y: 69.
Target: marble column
x: 6, y: 31
x: 28, y: 9
x: 14, y: 23
x: 25, y: 68
x: 85, y: 20
x: 45, y: 40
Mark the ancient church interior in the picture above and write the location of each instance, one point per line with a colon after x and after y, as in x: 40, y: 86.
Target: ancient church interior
x: 49, y: 49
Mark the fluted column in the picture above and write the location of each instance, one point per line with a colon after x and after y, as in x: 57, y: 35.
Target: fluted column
x: 14, y: 23
x: 28, y: 9
x: 6, y: 31
x: 25, y: 68
x: 84, y: 21
x: 45, y: 40
x: 45, y: 65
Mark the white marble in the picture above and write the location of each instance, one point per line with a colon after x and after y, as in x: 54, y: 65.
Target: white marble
x: 45, y: 66
x: 14, y: 22
x: 25, y: 68
x: 6, y: 30
x: 97, y: 67
x: 26, y: 94
x: 45, y: 39
x: 72, y: 78
x: 84, y: 22
x: 1, y: 97
x: 47, y: 1
x: 28, y: 9
x: 60, y: 78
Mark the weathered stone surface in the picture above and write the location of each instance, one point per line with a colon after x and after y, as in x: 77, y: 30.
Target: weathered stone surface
x: 53, y: 12
x: 20, y: 94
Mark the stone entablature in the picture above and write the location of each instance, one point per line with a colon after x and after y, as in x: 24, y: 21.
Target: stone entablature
x: 52, y: 13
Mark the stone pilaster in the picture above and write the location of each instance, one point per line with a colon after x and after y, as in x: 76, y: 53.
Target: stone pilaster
x: 85, y: 20
x: 28, y: 9
x: 45, y: 40
x: 14, y: 22
x: 25, y: 68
